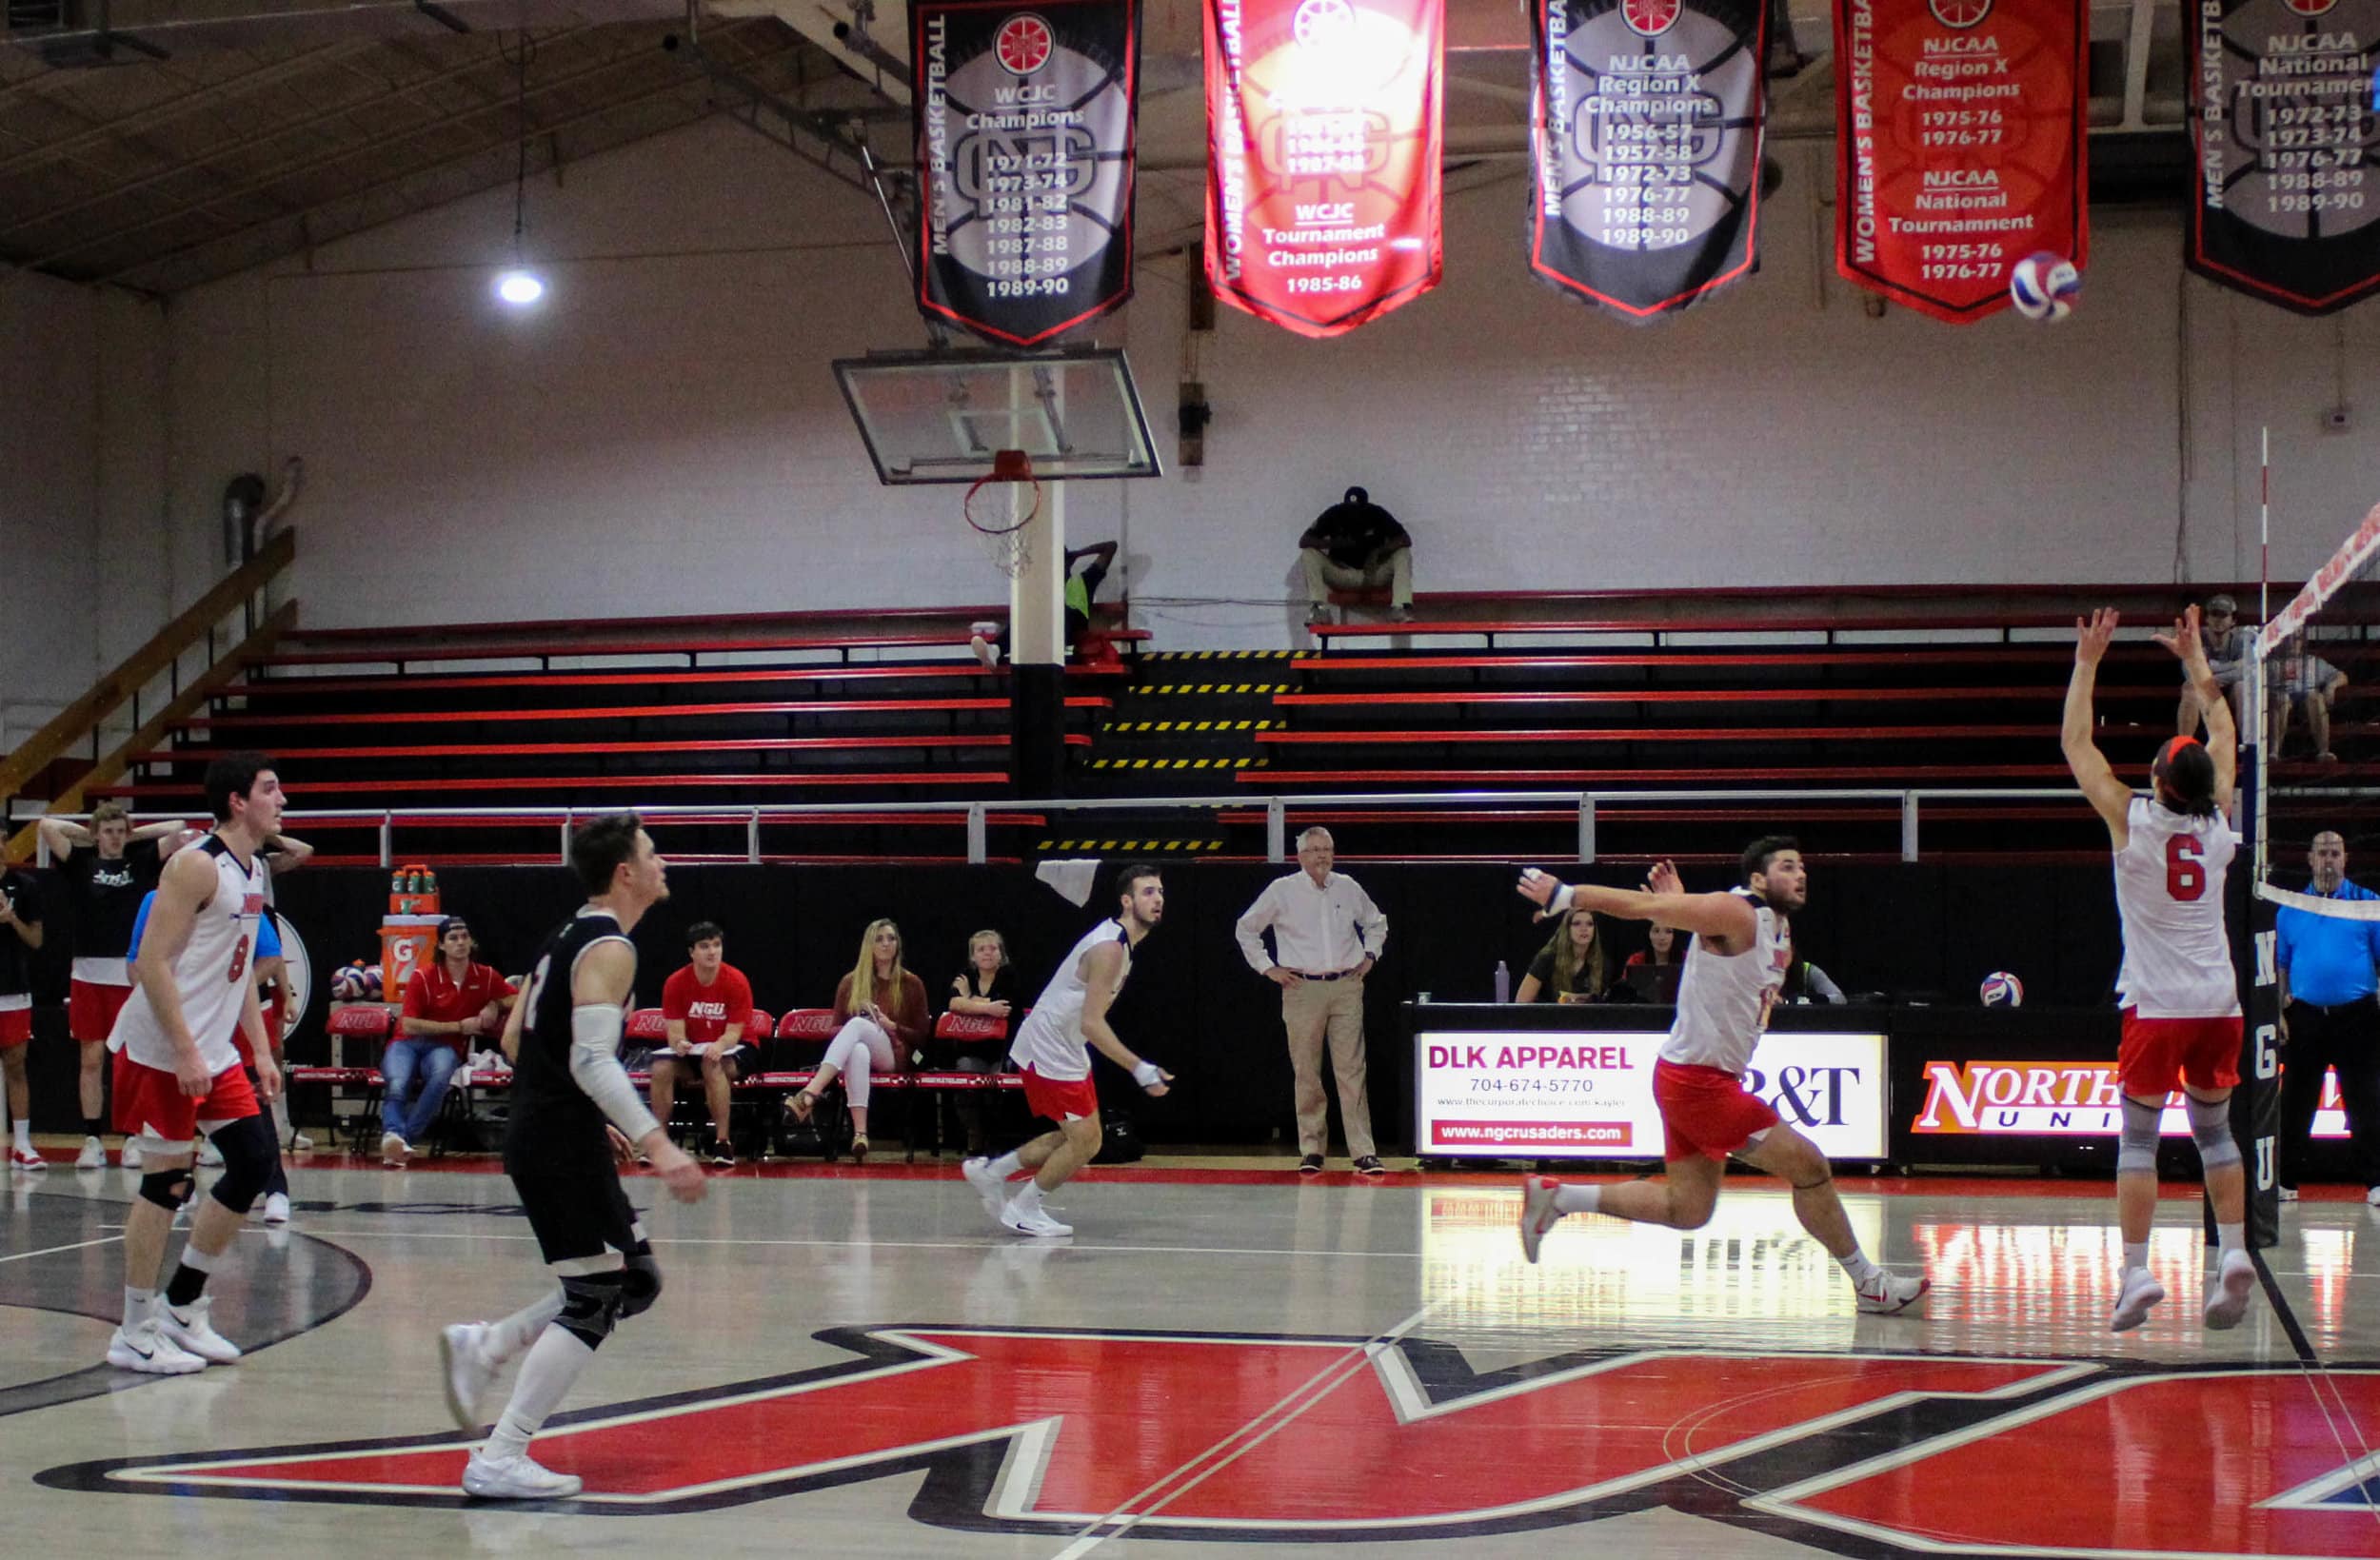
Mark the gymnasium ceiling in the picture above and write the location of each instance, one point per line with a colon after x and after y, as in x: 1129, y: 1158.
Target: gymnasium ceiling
x: 159, y: 144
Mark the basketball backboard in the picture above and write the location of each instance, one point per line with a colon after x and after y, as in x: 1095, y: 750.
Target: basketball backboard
x: 939, y: 417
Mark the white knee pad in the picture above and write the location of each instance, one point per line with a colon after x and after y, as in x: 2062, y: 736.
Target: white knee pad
x: 2137, y: 1148
x: 2211, y: 1129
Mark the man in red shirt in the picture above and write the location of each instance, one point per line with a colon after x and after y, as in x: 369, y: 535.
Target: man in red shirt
x: 446, y: 1002
x: 707, y: 1005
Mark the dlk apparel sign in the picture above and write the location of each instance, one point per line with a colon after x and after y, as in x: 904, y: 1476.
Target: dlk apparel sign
x: 2287, y: 143
x: 1587, y: 1093
x: 1962, y: 147
x: 1025, y: 140
x: 1324, y: 137
x: 1646, y: 140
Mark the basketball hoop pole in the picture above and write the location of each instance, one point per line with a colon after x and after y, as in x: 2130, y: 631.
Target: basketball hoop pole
x: 1037, y: 638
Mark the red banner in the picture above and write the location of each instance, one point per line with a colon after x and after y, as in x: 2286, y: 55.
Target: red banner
x: 1323, y: 131
x: 1960, y: 146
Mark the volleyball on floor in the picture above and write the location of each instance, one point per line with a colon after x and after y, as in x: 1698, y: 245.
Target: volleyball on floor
x: 2003, y: 990
x: 2045, y: 285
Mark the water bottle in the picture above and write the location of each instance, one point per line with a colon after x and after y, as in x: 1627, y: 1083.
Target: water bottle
x: 1504, y: 982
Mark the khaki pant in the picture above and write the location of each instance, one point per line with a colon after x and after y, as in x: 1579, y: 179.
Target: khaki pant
x: 1322, y: 576
x: 1309, y: 1010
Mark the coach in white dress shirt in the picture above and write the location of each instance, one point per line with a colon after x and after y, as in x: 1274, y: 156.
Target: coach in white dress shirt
x: 1327, y: 933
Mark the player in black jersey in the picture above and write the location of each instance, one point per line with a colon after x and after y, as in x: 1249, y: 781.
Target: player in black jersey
x: 574, y: 1116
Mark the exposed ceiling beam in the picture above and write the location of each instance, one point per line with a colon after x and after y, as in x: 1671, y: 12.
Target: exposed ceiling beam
x: 874, y: 48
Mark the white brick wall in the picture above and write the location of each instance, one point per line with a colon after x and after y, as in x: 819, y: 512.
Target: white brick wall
x: 663, y: 434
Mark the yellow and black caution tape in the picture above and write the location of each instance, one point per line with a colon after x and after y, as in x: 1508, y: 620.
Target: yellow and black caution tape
x: 1149, y: 846
x: 1216, y: 689
x: 1175, y: 763
x: 1183, y: 727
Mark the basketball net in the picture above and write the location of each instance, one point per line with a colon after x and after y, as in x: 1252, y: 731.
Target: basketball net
x: 1002, y: 507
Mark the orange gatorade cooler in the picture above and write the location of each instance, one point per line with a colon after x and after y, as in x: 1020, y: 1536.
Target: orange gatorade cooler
x: 407, y: 943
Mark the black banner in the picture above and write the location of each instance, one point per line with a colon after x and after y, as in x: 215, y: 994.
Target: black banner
x: 1646, y: 137
x: 1024, y: 117
x: 2287, y: 143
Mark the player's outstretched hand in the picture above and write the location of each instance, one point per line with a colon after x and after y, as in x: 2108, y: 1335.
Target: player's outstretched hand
x: 2094, y: 634
x: 1536, y: 887
x: 1663, y: 878
x: 678, y: 1171
x: 1165, y: 1082
x: 2187, y: 643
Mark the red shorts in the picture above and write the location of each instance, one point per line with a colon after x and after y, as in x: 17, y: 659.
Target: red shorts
x: 149, y: 1102
x: 1061, y: 1099
x: 2157, y: 1052
x: 1705, y: 1110
x: 16, y: 1027
x: 90, y: 1009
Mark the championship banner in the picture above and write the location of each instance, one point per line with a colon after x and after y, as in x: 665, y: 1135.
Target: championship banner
x: 1961, y: 145
x: 1645, y: 130
x: 1024, y: 143
x: 1324, y: 138
x: 2287, y: 141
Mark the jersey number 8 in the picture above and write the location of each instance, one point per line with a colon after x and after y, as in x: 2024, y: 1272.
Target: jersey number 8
x: 2185, y: 868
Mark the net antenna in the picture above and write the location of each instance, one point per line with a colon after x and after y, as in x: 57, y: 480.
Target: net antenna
x: 1001, y: 505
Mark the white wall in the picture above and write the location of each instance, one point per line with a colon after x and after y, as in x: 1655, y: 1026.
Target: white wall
x: 662, y: 435
x: 81, y: 490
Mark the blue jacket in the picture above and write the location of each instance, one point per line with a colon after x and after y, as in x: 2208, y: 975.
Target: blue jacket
x: 2327, y: 961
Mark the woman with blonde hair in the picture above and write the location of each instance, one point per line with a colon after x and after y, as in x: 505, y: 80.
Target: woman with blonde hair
x: 1571, y: 966
x: 985, y: 989
x: 883, y: 1009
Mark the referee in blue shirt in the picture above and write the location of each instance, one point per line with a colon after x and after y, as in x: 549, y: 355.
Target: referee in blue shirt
x: 2329, y: 1017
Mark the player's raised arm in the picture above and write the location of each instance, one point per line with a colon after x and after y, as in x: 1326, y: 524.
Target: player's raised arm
x: 1727, y: 918
x: 2107, y: 795
x: 2222, y: 736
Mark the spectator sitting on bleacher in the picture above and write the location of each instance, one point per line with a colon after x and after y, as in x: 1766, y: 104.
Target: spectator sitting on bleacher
x: 1355, y: 544
x: 446, y: 1002
x: 1571, y: 966
x: 1086, y: 569
x: 882, y: 1008
x: 2227, y: 640
x: 705, y: 1004
x: 985, y: 989
x: 2306, y: 682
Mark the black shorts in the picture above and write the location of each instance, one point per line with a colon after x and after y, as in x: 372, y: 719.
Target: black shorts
x: 583, y: 1223
x: 742, y: 1062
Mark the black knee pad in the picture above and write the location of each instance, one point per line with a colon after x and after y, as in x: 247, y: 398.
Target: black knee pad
x: 249, y: 1158
x: 591, y: 1305
x: 168, y: 1189
x: 640, y: 1283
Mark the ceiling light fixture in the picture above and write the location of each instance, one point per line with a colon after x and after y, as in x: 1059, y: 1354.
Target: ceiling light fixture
x: 520, y: 285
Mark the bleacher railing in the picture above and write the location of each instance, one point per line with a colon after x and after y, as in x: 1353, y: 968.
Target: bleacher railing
x: 980, y: 817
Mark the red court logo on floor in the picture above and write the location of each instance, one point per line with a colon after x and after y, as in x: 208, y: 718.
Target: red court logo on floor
x: 1236, y: 1437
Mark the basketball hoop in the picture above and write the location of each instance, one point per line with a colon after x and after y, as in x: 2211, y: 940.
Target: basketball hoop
x: 1001, y: 504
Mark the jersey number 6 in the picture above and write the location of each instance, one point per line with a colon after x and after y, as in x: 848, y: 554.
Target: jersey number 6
x: 2185, y: 869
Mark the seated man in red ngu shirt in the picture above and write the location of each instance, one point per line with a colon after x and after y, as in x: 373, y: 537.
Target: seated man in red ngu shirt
x: 448, y: 1003
x: 707, y: 1005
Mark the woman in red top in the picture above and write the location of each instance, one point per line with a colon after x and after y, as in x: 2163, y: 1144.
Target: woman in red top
x: 883, y: 1014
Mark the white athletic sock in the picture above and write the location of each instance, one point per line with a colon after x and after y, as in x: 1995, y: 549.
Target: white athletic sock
x: 1577, y: 1199
x: 23, y: 1135
x: 2234, y: 1237
x: 555, y: 1361
x: 1026, y: 1198
x: 507, y: 1338
x: 1006, y: 1166
x: 138, y: 1303
x: 2135, y: 1255
x: 1857, y: 1267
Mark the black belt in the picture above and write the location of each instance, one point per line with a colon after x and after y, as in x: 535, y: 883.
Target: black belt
x: 1340, y: 975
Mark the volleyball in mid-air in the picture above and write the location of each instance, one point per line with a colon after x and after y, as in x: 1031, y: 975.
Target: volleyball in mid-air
x: 2003, y: 990
x: 2044, y: 286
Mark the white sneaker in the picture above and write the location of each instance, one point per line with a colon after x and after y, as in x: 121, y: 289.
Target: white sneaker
x: 300, y: 1143
x: 94, y: 1155
x: 210, y: 1156
x: 1888, y: 1294
x: 515, y: 1478
x: 2371, y: 1198
x: 2227, y: 1297
x: 26, y: 1160
x: 2140, y: 1294
x: 2289, y: 1194
x: 1538, y: 1212
x: 131, y: 1158
x: 190, y: 1327
x: 990, y: 1187
x: 461, y: 1349
x: 1032, y: 1221
x: 393, y: 1151
x: 277, y: 1208
x: 141, y: 1347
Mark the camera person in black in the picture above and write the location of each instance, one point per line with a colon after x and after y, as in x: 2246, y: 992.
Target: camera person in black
x: 574, y: 1116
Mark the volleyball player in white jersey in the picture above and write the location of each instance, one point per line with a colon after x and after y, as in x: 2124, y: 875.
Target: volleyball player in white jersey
x: 177, y: 1073
x: 2178, y: 991
x: 1053, y: 1049
x: 1744, y: 945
